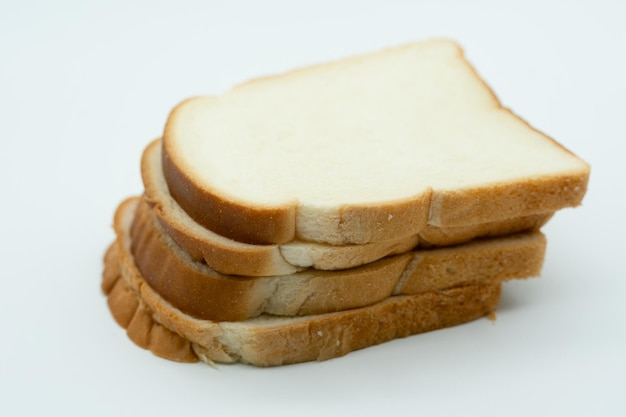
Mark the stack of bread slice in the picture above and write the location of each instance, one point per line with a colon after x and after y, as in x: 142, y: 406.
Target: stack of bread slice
x: 304, y: 216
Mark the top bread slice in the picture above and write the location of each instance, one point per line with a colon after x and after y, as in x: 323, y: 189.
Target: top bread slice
x: 362, y: 150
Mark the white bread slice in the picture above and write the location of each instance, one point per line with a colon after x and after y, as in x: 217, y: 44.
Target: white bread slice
x: 362, y: 150
x: 231, y: 257
x: 199, y: 291
x: 152, y: 323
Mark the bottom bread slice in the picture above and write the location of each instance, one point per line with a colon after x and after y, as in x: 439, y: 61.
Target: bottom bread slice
x: 152, y: 323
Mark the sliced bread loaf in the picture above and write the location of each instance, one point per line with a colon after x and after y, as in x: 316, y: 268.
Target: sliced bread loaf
x: 366, y: 149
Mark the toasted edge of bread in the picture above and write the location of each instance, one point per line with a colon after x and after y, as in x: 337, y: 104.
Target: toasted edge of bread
x: 152, y: 323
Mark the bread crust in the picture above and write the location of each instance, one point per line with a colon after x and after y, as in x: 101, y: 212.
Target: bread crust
x: 533, y: 196
x: 271, y: 341
x: 133, y: 314
x: 364, y: 223
x: 200, y: 292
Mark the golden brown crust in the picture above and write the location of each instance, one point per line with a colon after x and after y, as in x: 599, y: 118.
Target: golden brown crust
x: 252, y: 261
x: 234, y: 219
x: 202, y: 293
x: 334, y: 335
x: 516, y: 256
x: 268, y: 341
x: 131, y: 313
x: 235, y: 259
x: 455, y: 235
x: 365, y: 223
x: 504, y: 201
x: 111, y: 271
x: 195, y: 293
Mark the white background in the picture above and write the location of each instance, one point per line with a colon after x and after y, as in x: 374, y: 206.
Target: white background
x: 84, y: 86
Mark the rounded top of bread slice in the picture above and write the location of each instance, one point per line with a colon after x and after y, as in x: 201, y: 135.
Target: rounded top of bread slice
x: 365, y: 149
